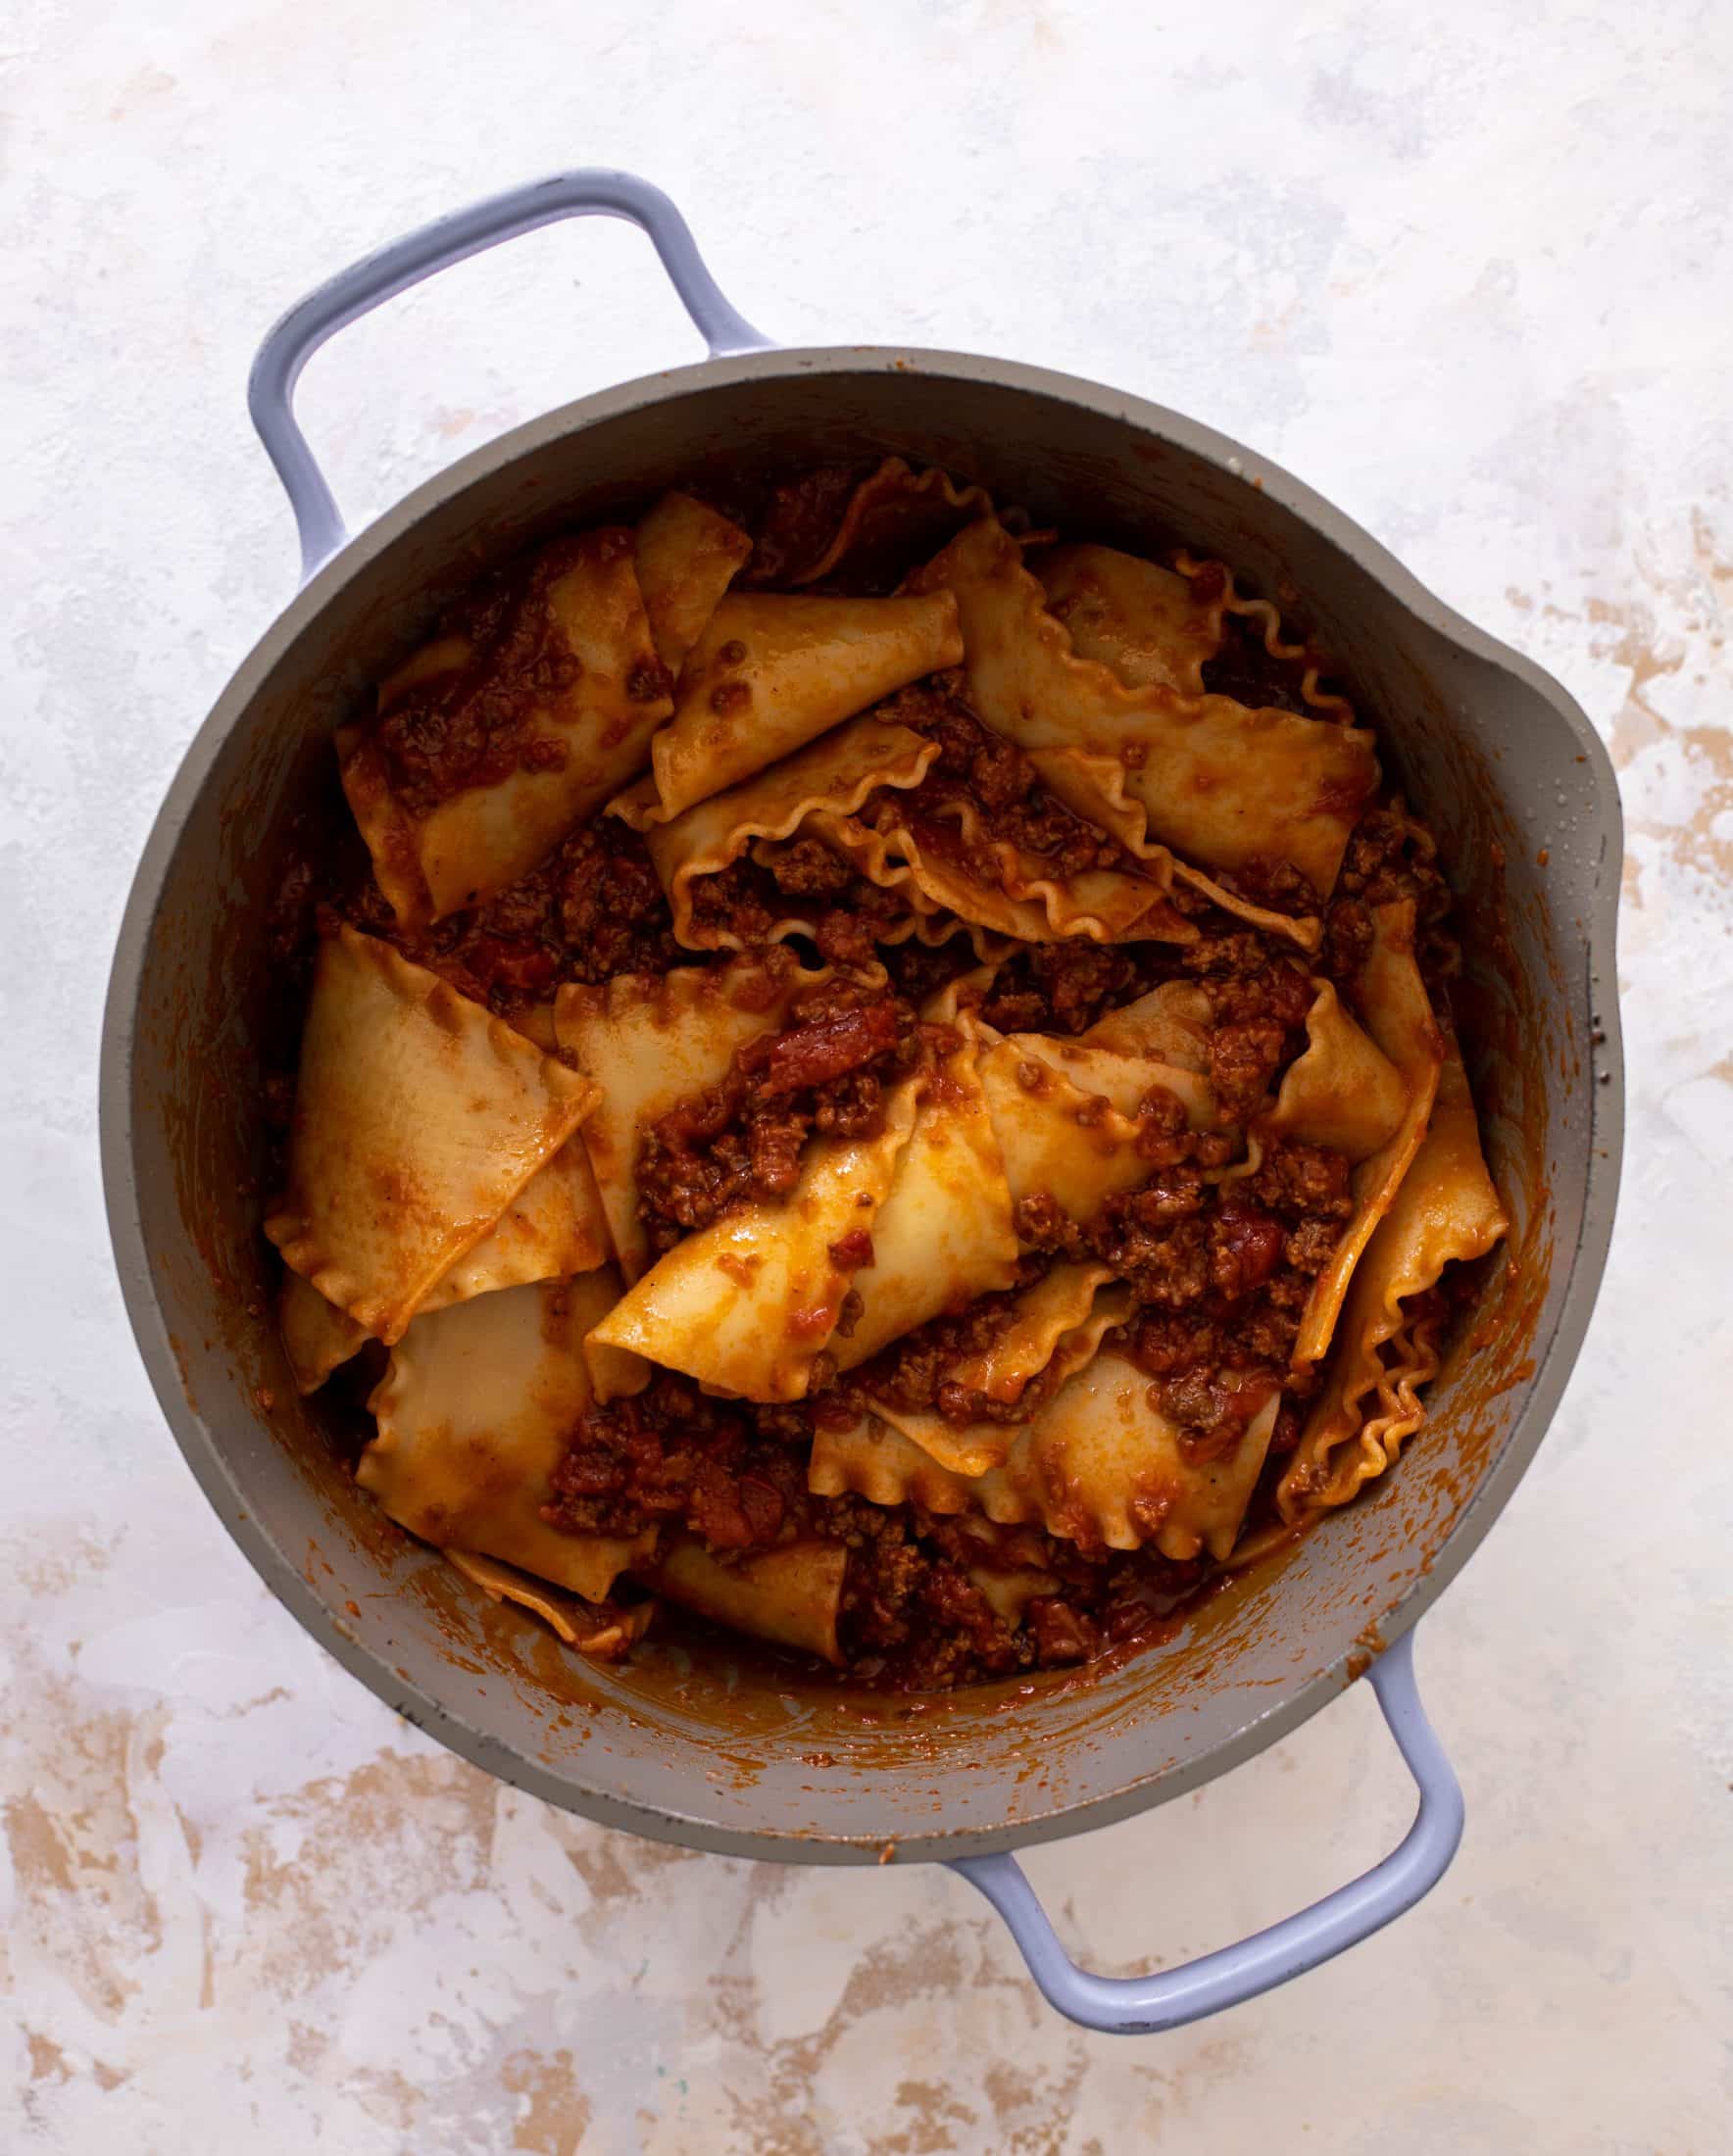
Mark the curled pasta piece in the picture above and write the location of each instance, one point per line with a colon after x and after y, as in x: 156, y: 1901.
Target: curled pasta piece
x: 771, y: 673
x: 1266, y: 619
x: 944, y: 1233
x: 932, y: 852
x: 687, y: 556
x: 605, y: 1632
x: 552, y: 1228
x: 1063, y: 1135
x: 1048, y: 1342
x: 746, y: 1303
x: 1398, y: 1017
x: 871, y: 1460
x: 570, y: 659
x: 1343, y: 1091
x: 1058, y: 1305
x: 1225, y: 785
x: 648, y: 1039
x: 419, y: 1118
x: 474, y: 1413
x: 790, y: 1595
x: 1098, y: 1465
x: 1151, y: 626
x: 1445, y: 1210
x: 891, y: 520
x: 832, y: 775
x: 1171, y: 1023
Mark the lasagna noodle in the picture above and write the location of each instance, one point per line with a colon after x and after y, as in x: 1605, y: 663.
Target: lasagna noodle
x: 1171, y: 1023
x: 1224, y: 785
x: 1149, y: 625
x: 744, y: 1304
x: 944, y: 1233
x: 651, y: 1040
x: 1445, y: 1210
x: 771, y: 673
x: 1065, y: 1139
x: 554, y: 1227
x: 895, y: 518
x: 1059, y: 1303
x: 931, y: 857
x: 593, y: 732
x: 605, y: 1632
x: 419, y: 1118
x: 687, y: 556
x: 1264, y: 617
x: 790, y: 1595
x: 1098, y: 1465
x: 1399, y: 1018
x: 832, y: 775
x: 1342, y: 1090
x: 474, y: 1415
x: 1049, y: 1338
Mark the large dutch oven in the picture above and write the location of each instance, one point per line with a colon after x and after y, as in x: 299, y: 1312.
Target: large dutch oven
x: 698, y: 1745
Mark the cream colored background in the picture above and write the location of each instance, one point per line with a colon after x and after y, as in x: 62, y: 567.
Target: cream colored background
x: 1469, y: 272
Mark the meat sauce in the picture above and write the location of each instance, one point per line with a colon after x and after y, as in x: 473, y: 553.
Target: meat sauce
x: 1218, y: 1268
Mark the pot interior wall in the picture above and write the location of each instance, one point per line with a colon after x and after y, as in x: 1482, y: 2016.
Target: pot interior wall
x: 692, y: 1740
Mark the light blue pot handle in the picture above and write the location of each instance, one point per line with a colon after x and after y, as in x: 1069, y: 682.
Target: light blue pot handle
x: 1134, y: 2006
x: 367, y: 285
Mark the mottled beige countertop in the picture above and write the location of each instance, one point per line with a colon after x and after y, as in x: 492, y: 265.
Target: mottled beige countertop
x: 1471, y: 276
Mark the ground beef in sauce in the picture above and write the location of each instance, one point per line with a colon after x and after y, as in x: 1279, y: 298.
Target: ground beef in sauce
x: 477, y: 722
x: 993, y: 776
x: 741, y: 1141
x: 799, y: 879
x: 1220, y: 1268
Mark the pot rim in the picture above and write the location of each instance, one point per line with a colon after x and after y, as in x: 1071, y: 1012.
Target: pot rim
x: 202, y: 1448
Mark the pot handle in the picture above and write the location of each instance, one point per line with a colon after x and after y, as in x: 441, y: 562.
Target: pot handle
x: 1133, y: 2006
x: 380, y: 276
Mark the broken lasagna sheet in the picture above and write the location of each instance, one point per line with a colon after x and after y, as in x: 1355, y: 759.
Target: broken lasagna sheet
x: 1224, y: 785
x: 790, y: 1595
x: 771, y: 673
x: 1445, y: 1210
x: 474, y: 1415
x: 419, y: 1118
x: 939, y: 853
x: 1098, y: 1465
x: 745, y: 1304
x: 833, y: 776
x: 1153, y: 627
x: 1065, y: 1113
x: 1400, y: 1021
x: 567, y: 671
x: 649, y: 1039
x: 1054, y: 1328
x: 602, y: 1631
x: 884, y: 525
x: 687, y: 556
x: 944, y: 1233
x: 552, y: 1228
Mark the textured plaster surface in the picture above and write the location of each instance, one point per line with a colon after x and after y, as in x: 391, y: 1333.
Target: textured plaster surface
x: 1468, y: 271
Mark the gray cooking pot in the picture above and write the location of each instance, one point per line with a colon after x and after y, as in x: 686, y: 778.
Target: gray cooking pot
x: 699, y: 1744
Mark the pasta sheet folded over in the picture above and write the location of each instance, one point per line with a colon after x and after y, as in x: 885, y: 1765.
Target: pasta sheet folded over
x: 474, y: 1415
x: 746, y: 1303
x: 572, y: 657
x: 418, y: 1120
x: 771, y: 673
x: 1223, y: 784
x: 1445, y: 1210
x: 649, y: 1039
x: 555, y: 1227
x: 1098, y: 1465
